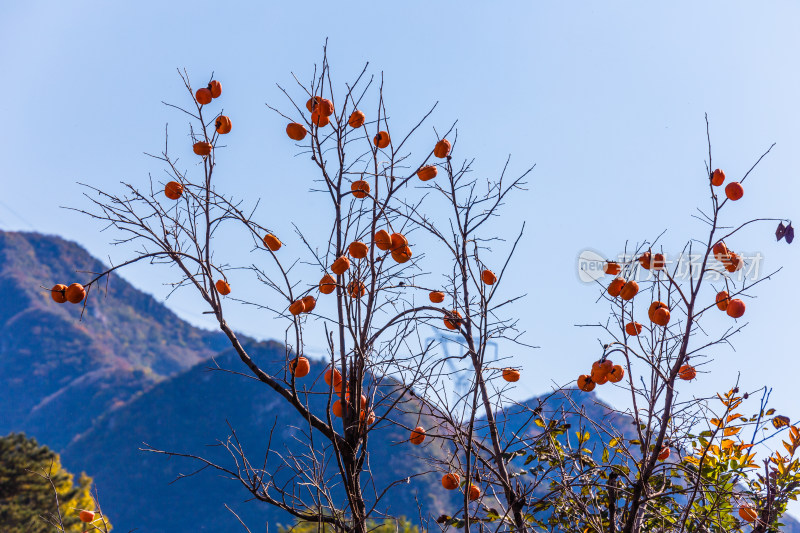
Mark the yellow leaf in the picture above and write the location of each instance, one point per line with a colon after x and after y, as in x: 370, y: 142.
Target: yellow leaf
x: 613, y: 443
x: 733, y: 417
x: 731, y: 431
x: 715, y: 422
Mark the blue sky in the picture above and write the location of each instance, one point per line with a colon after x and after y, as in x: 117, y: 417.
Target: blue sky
x: 607, y: 99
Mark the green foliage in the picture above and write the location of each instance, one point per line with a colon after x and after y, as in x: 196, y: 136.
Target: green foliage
x: 401, y: 525
x: 27, y: 497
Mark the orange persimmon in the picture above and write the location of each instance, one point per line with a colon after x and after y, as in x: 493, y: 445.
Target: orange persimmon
x: 216, y: 88
x: 381, y: 140
x: 611, y: 268
x: 357, y: 119
x: 428, y: 172
x: 272, y: 242
x: 735, y: 308
x: 717, y: 178
x: 436, y: 297
x: 633, y: 328
x: 173, y: 190
x: 59, y: 293
x: 450, y: 481
x: 629, y: 290
x: 300, y: 367
x: 454, y: 322
x: 358, y: 250
x: 615, y: 287
x: 585, y: 383
x: 734, y: 191
x: 360, y: 188
x: 296, y: 132
x: 340, y: 266
x: 202, y: 148
x: 327, y: 284
x: 417, y: 435
x: 203, y: 96
x: 442, y: 149
x: 383, y: 241
x: 75, y: 293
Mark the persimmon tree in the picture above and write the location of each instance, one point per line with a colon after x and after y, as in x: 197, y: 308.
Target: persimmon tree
x: 367, y: 273
x: 691, y: 463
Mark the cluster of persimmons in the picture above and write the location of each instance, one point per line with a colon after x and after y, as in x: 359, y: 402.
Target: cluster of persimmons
x: 393, y: 244
x: 73, y: 294
x: 603, y: 370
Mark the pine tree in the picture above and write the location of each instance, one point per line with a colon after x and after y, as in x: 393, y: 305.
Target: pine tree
x: 30, y: 478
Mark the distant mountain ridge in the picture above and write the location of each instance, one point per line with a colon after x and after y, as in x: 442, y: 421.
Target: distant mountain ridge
x: 58, y: 373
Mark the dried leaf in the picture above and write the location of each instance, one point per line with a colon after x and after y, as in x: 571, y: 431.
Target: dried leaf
x: 781, y: 231
x: 789, y: 234
x: 780, y: 421
x: 731, y: 431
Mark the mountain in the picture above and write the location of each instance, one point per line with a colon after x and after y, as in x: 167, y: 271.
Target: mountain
x: 59, y: 371
x: 190, y: 412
